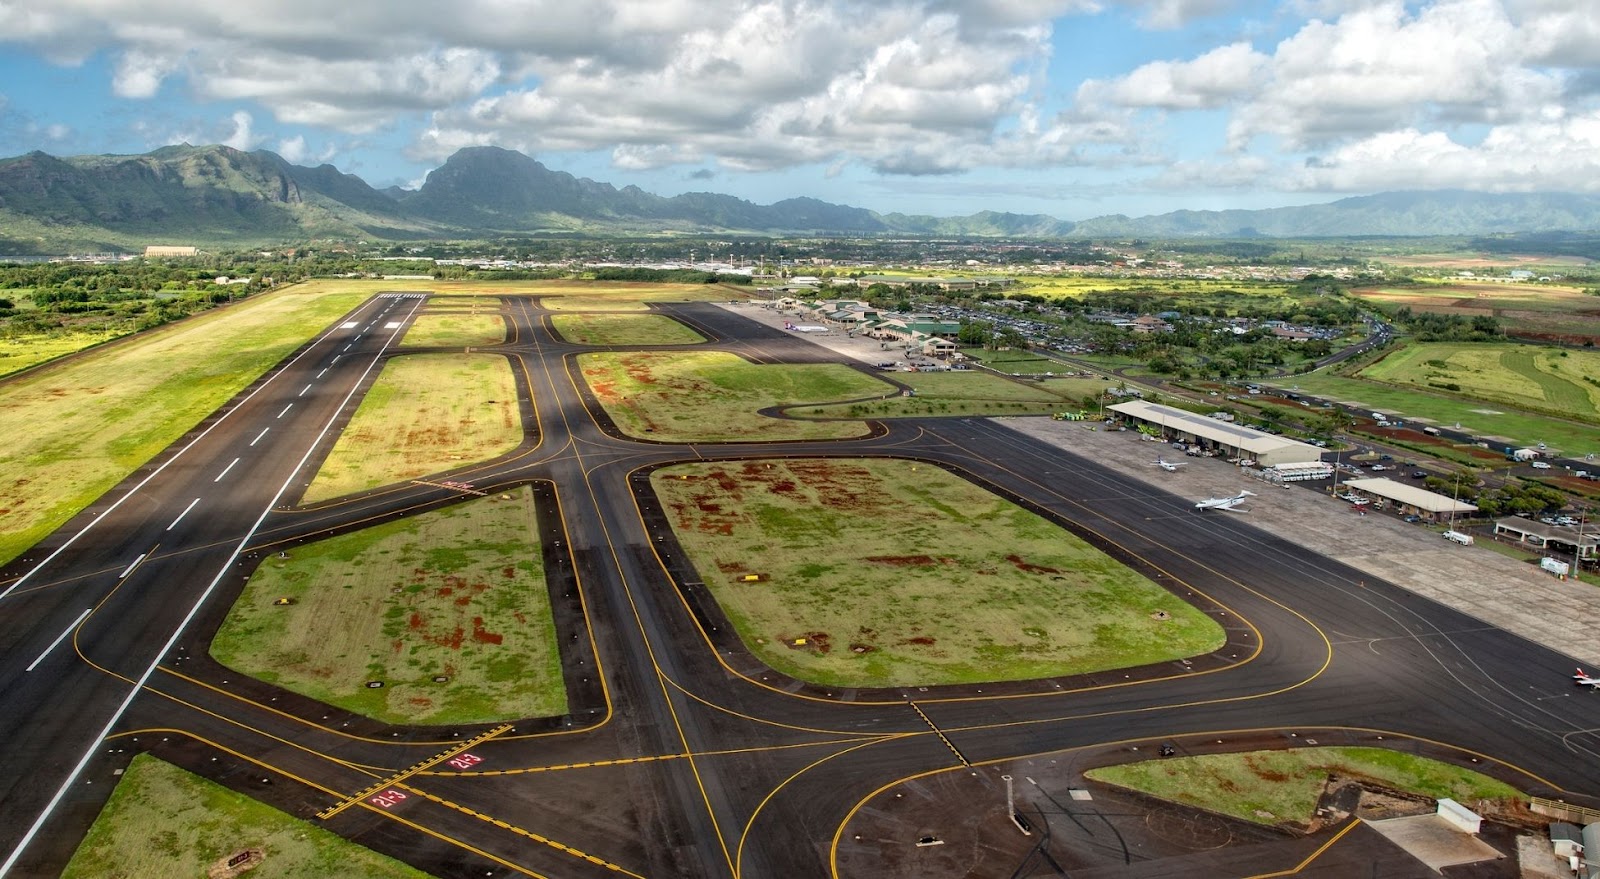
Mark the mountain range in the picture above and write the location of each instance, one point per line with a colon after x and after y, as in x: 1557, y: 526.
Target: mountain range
x: 217, y: 196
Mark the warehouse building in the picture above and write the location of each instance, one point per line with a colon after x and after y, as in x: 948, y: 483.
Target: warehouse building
x: 1410, y: 499
x: 1555, y: 538
x: 1236, y: 441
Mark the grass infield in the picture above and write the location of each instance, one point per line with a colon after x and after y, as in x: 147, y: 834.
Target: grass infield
x: 865, y: 573
x: 605, y: 328
x: 426, y: 413
x: 712, y: 396
x: 458, y: 592
x: 949, y: 393
x: 455, y: 330
x: 162, y: 821
x: 1277, y: 787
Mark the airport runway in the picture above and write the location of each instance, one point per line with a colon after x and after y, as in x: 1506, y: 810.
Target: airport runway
x: 680, y: 755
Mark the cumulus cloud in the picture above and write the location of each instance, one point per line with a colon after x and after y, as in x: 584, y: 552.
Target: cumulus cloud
x: 1552, y: 156
x: 1211, y: 80
x: 242, y: 136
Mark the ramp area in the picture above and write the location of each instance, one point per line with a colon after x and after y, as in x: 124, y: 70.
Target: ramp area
x: 1434, y: 841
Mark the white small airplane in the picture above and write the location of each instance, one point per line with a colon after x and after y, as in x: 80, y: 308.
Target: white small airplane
x: 1169, y: 466
x: 1225, y: 503
x: 1583, y: 678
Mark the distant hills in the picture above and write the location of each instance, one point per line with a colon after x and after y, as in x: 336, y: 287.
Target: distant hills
x: 218, y: 196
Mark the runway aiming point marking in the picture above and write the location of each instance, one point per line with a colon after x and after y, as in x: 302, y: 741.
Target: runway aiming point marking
x: 385, y: 786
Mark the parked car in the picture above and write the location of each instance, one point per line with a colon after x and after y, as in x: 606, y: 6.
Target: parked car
x: 1540, y: 465
x: 1413, y: 519
x: 1419, y: 474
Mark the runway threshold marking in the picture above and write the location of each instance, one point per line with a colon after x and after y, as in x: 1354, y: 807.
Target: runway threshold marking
x: 395, y: 779
x: 182, y: 514
x: 259, y: 436
x: 225, y: 470
x: 938, y: 732
x: 528, y: 834
x: 59, y: 638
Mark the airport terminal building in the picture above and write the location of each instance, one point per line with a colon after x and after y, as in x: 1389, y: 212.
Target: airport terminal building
x: 1236, y: 441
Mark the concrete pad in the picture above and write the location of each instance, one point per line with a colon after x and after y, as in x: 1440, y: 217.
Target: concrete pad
x: 1434, y: 841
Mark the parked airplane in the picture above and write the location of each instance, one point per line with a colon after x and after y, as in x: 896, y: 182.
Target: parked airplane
x: 1583, y: 678
x: 1169, y: 466
x: 1225, y: 503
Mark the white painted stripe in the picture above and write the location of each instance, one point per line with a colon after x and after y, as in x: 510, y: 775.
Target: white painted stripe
x: 227, y: 568
x: 59, y: 638
x: 260, y: 435
x: 349, y: 325
x: 335, y: 359
x: 286, y: 410
x: 357, y: 339
x: 129, y: 569
x: 225, y: 470
x: 392, y: 325
x: 324, y: 372
x: 303, y: 391
x: 182, y: 514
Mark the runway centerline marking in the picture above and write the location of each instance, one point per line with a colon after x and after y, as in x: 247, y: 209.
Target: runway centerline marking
x: 285, y: 410
x: 324, y: 370
x: 225, y: 470
x: 129, y: 569
x: 182, y: 514
x: 59, y: 638
x: 259, y: 436
x: 303, y: 391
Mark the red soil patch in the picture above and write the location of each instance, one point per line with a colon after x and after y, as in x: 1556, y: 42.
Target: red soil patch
x: 782, y: 486
x: 1027, y: 568
x: 730, y: 567
x: 509, y: 571
x: 920, y: 640
x: 820, y: 641
x: 903, y: 561
x: 518, y: 616
x: 482, y: 635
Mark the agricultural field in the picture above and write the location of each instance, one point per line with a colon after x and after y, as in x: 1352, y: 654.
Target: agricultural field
x: 869, y: 573
x: 458, y: 593
x: 78, y: 426
x: 1016, y: 362
x: 1282, y: 787
x: 1543, y: 309
x: 162, y: 822
x: 455, y: 330
x: 713, y: 396
x: 1526, y: 376
x: 949, y: 393
x: 1197, y: 289
x: 426, y: 413
x: 603, y: 328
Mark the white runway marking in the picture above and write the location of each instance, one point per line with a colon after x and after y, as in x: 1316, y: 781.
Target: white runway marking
x: 345, y: 348
x: 129, y: 569
x: 303, y: 391
x: 324, y: 370
x: 260, y: 435
x: 392, y: 325
x: 349, y: 325
x: 286, y: 410
x: 185, y: 512
x: 225, y: 470
x: 59, y: 638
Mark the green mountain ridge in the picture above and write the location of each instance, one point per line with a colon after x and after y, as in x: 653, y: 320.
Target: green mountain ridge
x: 217, y: 196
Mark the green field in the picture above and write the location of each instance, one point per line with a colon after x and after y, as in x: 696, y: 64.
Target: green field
x: 1277, y: 787
x: 449, y: 330
x: 77, y: 427
x: 899, y: 574
x: 713, y: 396
x: 1526, y: 376
x: 458, y: 592
x: 162, y: 822
x: 965, y: 393
x: 601, y: 328
x: 1552, y: 308
x: 20, y: 352
x: 426, y: 413
x: 1016, y: 362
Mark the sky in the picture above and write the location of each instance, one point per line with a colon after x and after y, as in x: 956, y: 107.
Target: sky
x: 1072, y: 108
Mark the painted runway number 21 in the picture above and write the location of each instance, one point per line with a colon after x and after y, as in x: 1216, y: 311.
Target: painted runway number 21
x: 387, y: 799
x: 465, y: 761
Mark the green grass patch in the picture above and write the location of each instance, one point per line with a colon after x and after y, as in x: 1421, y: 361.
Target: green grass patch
x: 1274, y: 787
x: 1526, y: 376
x: 162, y: 822
x: 713, y: 396
x: 458, y: 592
x: 425, y: 413
x: 75, y: 428
x: 446, y: 330
x: 20, y: 352
x: 900, y: 574
x: 950, y: 393
x: 601, y: 328
x: 1016, y: 362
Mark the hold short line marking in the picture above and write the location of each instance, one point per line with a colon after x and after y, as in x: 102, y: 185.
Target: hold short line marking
x: 260, y: 435
x: 225, y: 470
x: 182, y: 514
x: 59, y: 638
x: 303, y: 391
x: 286, y: 410
x: 129, y: 569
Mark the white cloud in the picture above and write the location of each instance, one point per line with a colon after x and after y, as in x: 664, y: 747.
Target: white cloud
x: 295, y: 150
x: 1212, y: 80
x: 242, y: 138
x: 1551, y: 156
x: 139, y: 73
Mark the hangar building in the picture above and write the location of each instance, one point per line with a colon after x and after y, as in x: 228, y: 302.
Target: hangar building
x: 1429, y: 505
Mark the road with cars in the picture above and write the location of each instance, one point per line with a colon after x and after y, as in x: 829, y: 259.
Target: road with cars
x: 681, y: 755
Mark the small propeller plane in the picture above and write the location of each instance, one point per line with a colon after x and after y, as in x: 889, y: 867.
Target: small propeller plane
x: 1583, y: 678
x: 1225, y: 503
x: 1169, y: 466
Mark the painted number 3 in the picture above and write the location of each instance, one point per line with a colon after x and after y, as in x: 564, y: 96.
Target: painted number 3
x: 387, y: 799
x: 465, y: 761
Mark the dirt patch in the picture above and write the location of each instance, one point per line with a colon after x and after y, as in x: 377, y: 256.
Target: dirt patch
x: 921, y: 641
x: 1027, y: 568
x: 818, y: 641
x: 903, y: 561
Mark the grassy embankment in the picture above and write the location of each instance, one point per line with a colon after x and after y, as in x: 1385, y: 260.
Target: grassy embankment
x: 77, y: 427
x: 426, y: 413
x: 610, y: 328
x: 452, y: 330
x: 953, y: 394
x: 457, y: 592
x: 714, y: 396
x: 162, y: 822
x: 899, y: 574
x: 1275, y: 787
